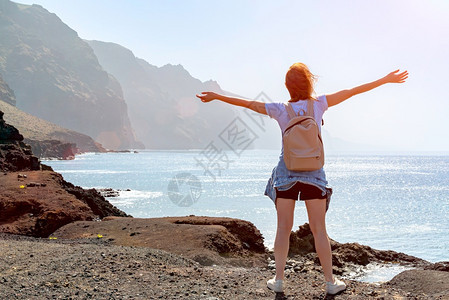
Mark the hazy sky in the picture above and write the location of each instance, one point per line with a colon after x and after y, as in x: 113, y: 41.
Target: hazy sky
x: 247, y: 46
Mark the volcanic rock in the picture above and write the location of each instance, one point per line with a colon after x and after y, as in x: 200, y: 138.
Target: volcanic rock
x: 343, y: 254
x: 435, y: 284
x: 207, y: 240
x: 36, y: 203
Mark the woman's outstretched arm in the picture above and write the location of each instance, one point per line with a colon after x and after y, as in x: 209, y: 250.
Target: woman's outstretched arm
x: 393, y: 77
x: 257, y: 106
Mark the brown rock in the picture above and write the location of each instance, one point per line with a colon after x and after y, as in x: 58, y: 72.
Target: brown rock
x: 37, y: 211
x: 29, y: 208
x: 439, y: 266
x: 97, y: 203
x: 108, y: 192
x: 302, y: 243
x: 245, y: 231
x: 433, y: 283
x: 16, y: 156
x: 207, y: 240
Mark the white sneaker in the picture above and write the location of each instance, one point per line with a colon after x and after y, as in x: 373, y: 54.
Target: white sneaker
x: 276, y: 285
x: 335, y: 287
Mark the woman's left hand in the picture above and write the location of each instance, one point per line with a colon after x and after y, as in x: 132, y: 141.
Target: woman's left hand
x: 396, y: 77
x: 207, y: 96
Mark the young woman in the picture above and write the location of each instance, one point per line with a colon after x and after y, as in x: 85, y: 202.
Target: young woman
x: 284, y: 186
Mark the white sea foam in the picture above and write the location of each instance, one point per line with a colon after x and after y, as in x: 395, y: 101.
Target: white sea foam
x: 127, y: 198
x: 94, y: 172
x: 376, y: 273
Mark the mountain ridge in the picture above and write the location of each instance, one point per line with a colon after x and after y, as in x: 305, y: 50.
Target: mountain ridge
x: 162, y: 105
x: 56, y: 76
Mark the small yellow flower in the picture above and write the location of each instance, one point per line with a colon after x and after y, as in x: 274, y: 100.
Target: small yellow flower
x: 99, y: 236
x: 22, y: 186
x: 53, y: 238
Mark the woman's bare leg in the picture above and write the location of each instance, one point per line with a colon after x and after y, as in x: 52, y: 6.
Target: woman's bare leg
x: 316, y: 210
x: 285, y: 211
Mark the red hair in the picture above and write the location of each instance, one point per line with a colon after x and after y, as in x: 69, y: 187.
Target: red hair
x: 299, y: 82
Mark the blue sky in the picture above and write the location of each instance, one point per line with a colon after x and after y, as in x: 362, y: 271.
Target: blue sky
x: 247, y: 47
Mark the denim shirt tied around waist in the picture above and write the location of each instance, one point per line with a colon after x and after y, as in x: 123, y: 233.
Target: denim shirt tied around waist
x: 283, y: 179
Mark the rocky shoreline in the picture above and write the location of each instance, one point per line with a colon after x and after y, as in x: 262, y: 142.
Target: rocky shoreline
x: 95, y: 268
x: 60, y: 241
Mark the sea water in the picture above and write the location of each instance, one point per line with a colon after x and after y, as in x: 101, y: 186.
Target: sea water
x: 389, y: 202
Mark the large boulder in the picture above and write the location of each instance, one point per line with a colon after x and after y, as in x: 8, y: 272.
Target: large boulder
x: 37, y: 203
x: 208, y: 240
x: 434, y: 284
x: 343, y: 254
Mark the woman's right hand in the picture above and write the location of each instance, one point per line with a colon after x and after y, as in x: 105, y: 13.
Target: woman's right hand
x: 396, y: 77
x: 207, y: 96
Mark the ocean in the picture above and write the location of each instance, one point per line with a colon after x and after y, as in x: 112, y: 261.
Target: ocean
x: 394, y: 202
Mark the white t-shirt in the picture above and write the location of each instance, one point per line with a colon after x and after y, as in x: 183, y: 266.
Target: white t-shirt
x: 279, y: 112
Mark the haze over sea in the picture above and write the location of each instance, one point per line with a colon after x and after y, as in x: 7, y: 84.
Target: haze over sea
x: 390, y: 202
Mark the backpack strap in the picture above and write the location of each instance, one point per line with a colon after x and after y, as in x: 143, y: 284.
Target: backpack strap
x: 290, y: 111
x: 310, y: 111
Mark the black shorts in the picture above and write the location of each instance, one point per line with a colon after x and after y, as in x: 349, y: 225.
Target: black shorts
x: 305, y: 191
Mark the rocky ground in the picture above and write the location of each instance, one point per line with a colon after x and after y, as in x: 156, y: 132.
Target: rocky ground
x: 117, y: 258
x: 54, y: 269
x: 33, y: 268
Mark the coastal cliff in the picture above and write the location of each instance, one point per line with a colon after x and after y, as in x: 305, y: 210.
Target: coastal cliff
x: 56, y: 76
x: 163, y: 109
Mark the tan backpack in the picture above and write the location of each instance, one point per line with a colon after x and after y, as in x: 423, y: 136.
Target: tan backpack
x: 303, y: 146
